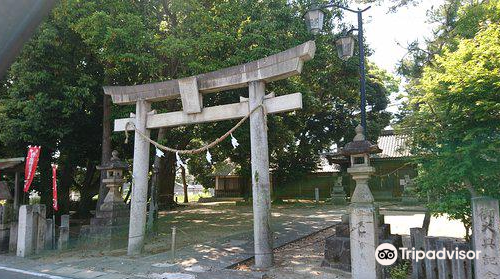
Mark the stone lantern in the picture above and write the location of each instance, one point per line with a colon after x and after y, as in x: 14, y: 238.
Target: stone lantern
x: 109, y: 228
x: 363, y: 220
x: 114, y: 180
x: 358, y: 151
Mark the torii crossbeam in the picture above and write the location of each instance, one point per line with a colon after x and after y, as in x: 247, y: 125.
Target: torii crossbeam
x: 253, y: 75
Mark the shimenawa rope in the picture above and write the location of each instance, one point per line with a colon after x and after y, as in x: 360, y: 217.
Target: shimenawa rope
x: 201, y: 149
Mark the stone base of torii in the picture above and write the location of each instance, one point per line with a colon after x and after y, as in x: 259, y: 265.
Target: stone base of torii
x: 253, y: 75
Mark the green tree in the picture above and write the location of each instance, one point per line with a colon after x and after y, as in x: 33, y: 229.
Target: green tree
x: 453, y: 116
x: 52, y: 95
x: 51, y: 102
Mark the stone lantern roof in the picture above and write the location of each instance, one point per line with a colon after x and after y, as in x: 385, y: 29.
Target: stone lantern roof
x: 359, y: 145
x: 114, y: 164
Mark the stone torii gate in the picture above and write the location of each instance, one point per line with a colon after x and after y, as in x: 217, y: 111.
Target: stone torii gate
x: 253, y: 75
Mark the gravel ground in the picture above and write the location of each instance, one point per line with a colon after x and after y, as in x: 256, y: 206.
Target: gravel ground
x: 301, y: 260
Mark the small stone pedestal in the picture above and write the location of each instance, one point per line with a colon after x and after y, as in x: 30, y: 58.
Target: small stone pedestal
x: 338, y: 248
x: 109, y: 228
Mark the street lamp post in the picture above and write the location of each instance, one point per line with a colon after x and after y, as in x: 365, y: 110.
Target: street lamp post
x: 345, y: 45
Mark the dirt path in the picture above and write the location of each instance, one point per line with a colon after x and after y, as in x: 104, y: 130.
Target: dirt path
x: 301, y: 260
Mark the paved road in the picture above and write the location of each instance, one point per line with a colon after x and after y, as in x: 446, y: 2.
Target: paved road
x: 14, y: 275
x: 10, y: 273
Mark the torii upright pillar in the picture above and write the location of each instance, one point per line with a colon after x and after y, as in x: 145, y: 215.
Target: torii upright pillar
x: 138, y: 203
x: 261, y: 186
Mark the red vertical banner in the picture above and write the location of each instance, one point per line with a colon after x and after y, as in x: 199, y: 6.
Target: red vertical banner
x: 30, y: 167
x: 54, y: 187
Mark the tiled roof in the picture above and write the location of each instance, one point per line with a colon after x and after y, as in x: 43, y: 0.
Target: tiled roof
x: 225, y: 168
x: 393, y: 146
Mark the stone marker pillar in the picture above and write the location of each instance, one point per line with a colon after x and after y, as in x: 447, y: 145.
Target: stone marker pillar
x: 62, y: 242
x: 363, y: 214
x: 39, y: 227
x: 25, y: 231
x: 65, y: 221
x: 49, y: 233
x: 13, y: 238
x: 417, y: 236
x: 486, y: 237
x: 261, y: 188
x: 137, y: 228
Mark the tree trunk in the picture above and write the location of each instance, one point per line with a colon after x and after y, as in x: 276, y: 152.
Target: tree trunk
x: 88, y: 190
x: 184, y: 183
x: 153, y: 203
x: 44, y: 185
x: 65, y: 183
x: 106, y: 146
x: 165, y: 185
x: 427, y: 222
x: 166, y: 181
x: 166, y: 173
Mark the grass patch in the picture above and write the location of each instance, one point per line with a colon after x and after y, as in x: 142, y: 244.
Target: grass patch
x: 400, y: 271
x: 192, y: 197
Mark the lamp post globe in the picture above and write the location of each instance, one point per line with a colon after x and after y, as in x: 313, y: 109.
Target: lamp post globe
x: 345, y: 47
x: 314, y: 20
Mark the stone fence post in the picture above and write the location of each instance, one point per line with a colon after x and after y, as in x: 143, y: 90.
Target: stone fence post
x: 25, y: 231
x: 63, y: 239
x: 39, y: 227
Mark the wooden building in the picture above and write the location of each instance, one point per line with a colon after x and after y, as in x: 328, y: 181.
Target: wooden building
x: 393, y: 166
x: 394, y: 169
x: 228, y: 183
x: 10, y: 177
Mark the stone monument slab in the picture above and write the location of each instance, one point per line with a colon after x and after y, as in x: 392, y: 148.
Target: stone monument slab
x: 486, y: 237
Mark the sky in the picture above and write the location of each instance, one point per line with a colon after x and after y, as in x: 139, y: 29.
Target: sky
x: 383, y: 32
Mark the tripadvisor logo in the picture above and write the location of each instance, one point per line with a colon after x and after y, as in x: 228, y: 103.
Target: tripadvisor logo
x: 387, y: 254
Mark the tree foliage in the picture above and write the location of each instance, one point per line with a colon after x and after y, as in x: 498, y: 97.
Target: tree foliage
x: 453, y: 114
x: 52, y: 94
